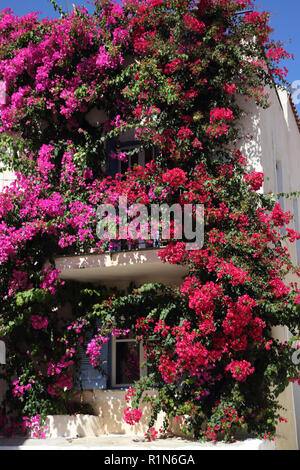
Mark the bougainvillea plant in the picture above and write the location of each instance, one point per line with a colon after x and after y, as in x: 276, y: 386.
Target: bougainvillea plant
x: 169, y: 73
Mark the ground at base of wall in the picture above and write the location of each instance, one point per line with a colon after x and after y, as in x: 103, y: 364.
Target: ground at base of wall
x: 128, y: 443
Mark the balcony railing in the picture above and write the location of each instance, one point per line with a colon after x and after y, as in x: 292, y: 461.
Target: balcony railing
x: 134, y: 245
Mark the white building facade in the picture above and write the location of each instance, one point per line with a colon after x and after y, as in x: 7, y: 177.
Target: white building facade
x: 272, y: 146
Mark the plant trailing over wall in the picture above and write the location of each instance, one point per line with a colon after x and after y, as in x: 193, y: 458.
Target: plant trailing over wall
x: 169, y: 72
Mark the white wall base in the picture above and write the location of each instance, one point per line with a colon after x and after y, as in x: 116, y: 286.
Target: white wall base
x: 72, y: 427
x: 81, y: 427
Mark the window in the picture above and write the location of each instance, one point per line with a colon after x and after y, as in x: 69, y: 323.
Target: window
x: 127, y: 362
x: 115, y: 166
x: 279, y: 182
x: 89, y: 377
x: 140, y: 158
x: 124, y: 363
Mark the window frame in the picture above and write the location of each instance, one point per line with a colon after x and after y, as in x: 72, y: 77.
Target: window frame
x: 142, y: 157
x: 297, y: 228
x: 113, y: 368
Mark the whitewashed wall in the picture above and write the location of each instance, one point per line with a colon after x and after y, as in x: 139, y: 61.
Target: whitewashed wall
x: 272, y: 145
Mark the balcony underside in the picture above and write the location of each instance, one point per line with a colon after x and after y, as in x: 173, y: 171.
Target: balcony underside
x: 138, y: 266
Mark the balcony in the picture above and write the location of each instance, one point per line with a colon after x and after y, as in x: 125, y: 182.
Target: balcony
x: 137, y: 265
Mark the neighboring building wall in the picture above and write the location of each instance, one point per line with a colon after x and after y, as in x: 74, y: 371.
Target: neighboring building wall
x: 273, y: 147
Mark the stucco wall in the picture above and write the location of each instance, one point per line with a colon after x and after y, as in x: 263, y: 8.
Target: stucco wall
x: 109, y: 405
x: 273, y: 139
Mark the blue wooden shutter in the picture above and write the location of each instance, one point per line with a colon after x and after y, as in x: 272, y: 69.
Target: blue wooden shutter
x: 89, y: 377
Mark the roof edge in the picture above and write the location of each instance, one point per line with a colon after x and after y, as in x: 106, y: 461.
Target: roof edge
x: 295, y: 112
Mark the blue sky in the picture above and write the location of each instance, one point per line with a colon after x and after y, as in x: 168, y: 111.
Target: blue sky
x: 285, y: 16
x: 285, y: 21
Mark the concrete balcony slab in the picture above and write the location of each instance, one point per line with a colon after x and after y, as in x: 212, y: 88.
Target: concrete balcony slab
x: 139, y: 265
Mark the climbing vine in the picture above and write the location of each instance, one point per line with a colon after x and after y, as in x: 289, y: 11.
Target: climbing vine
x: 168, y: 73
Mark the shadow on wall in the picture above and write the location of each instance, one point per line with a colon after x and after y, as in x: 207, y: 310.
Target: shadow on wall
x: 108, y: 406
x: 250, y: 128
x: 7, y: 424
x: 3, y: 386
x: 72, y: 426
